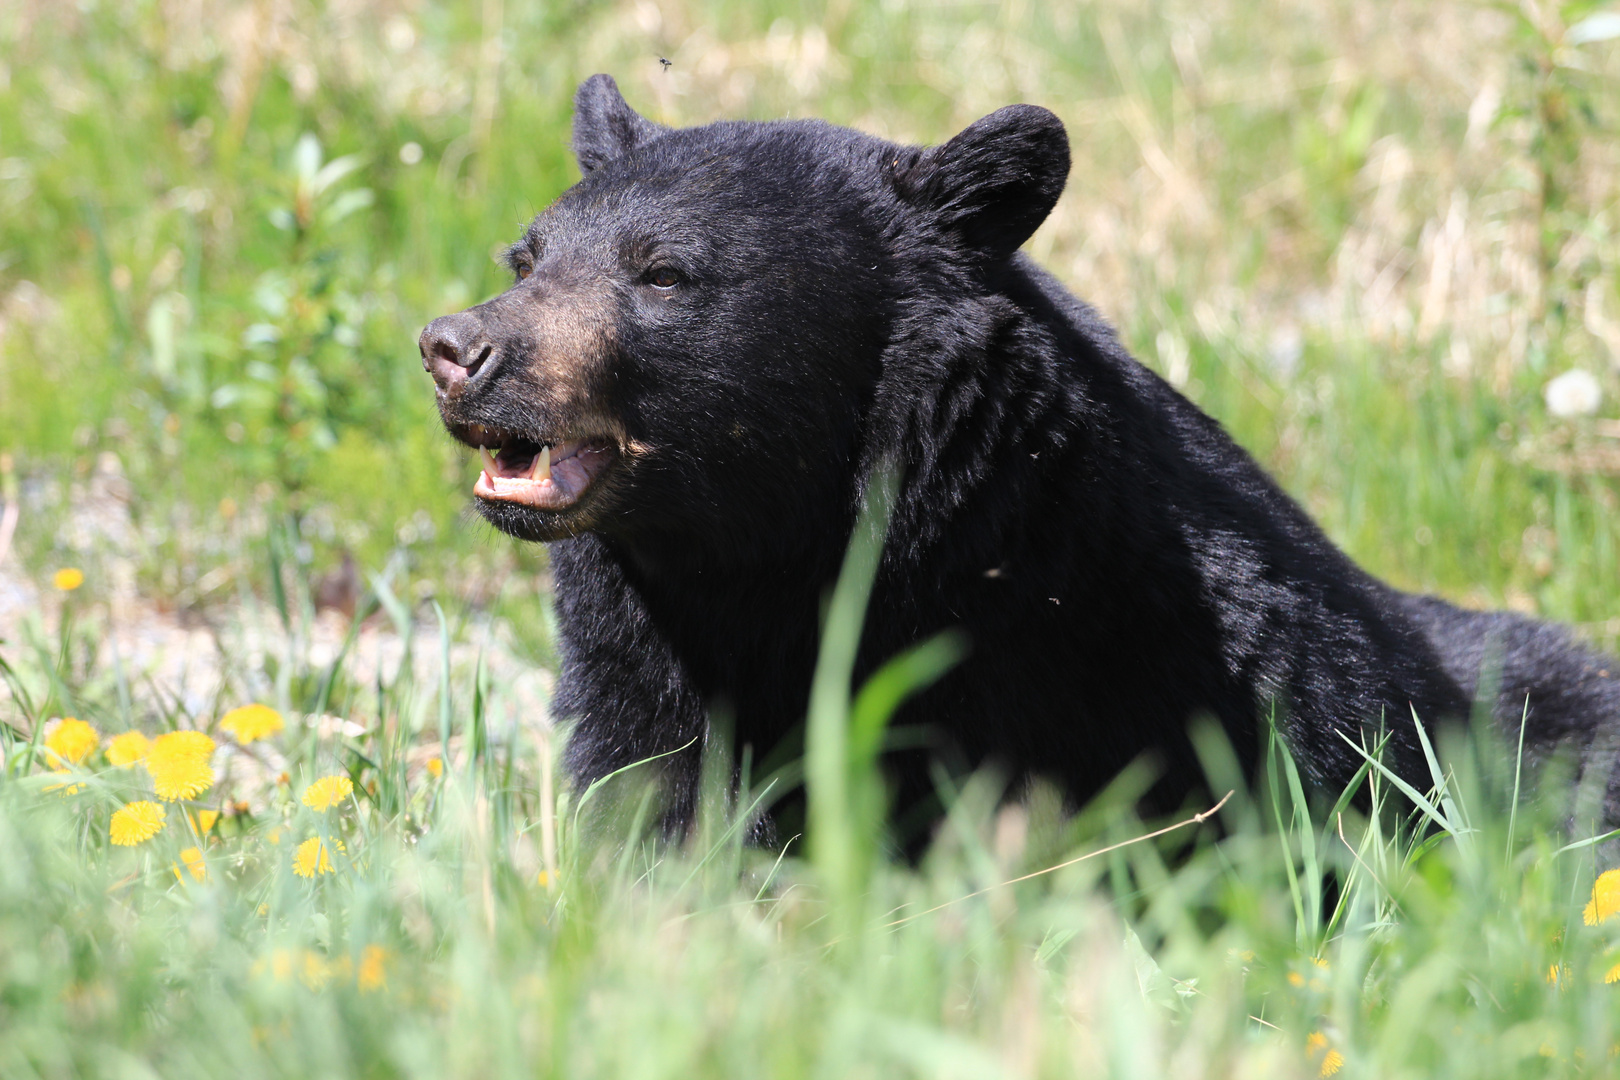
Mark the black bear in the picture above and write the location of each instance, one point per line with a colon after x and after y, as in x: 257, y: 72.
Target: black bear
x: 718, y: 334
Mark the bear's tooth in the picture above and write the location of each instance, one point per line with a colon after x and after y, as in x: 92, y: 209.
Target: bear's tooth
x: 489, y: 462
x: 542, y: 465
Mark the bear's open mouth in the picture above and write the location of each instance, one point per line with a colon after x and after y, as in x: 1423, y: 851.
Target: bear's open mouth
x: 547, y: 476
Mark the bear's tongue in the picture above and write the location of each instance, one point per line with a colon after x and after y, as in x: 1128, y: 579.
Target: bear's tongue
x: 545, y: 477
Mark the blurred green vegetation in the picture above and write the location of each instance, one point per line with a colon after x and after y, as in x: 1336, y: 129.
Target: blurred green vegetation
x: 222, y: 226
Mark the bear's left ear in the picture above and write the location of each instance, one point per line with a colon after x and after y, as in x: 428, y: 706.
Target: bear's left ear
x: 996, y: 181
x: 604, y: 126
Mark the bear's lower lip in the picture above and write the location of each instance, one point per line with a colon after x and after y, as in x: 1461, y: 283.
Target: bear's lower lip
x: 550, y: 478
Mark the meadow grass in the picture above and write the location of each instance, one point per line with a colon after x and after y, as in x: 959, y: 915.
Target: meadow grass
x: 410, y: 891
x: 1363, y: 238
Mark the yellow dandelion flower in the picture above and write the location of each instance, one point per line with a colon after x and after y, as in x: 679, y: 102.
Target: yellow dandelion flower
x: 136, y: 823
x: 435, y: 767
x: 1612, y: 975
x: 178, y: 744
x: 72, y: 740
x: 185, y: 778
x: 128, y: 748
x: 1556, y: 974
x: 1311, y: 977
x: 313, y: 971
x: 1332, y: 1061
x: 327, y: 792
x: 313, y: 857
x: 204, y: 820
x: 193, y: 858
x: 1605, y: 901
x: 178, y: 762
x: 544, y: 880
x: 252, y: 722
x: 280, y: 965
x: 373, y: 971
x: 68, y: 578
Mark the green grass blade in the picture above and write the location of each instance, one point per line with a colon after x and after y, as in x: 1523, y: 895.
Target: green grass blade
x: 1424, y: 806
x: 834, y: 846
x: 1274, y: 787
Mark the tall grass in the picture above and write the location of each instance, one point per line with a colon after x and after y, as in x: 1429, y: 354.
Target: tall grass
x: 481, y: 919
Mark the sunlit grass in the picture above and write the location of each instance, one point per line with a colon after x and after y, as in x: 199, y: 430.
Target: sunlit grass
x: 372, y: 910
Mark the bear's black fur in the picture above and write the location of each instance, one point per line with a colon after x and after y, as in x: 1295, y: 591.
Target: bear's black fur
x: 720, y: 332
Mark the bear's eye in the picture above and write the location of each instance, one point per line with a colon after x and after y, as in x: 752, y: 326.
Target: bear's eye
x: 663, y: 277
x: 522, y: 270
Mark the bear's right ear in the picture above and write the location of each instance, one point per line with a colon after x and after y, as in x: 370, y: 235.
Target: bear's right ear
x: 996, y: 181
x: 604, y: 126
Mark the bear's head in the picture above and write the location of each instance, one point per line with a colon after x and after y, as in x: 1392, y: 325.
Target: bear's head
x: 697, y: 330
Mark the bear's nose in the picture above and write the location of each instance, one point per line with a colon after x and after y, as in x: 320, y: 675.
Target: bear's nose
x: 453, y: 349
